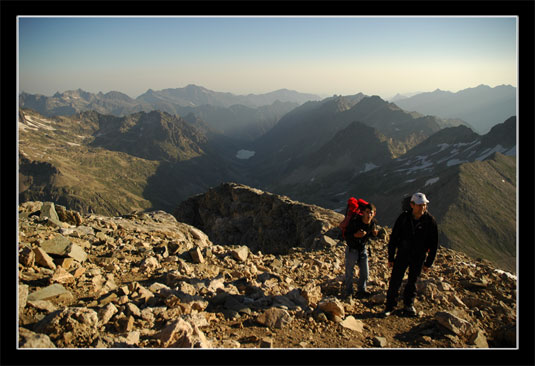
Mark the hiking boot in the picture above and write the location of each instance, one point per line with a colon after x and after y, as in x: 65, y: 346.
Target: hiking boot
x: 388, y: 311
x: 409, y: 310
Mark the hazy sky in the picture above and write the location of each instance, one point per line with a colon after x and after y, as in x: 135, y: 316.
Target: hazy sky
x: 321, y: 55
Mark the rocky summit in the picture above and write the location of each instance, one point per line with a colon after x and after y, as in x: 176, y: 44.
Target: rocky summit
x: 238, y: 214
x: 148, y: 280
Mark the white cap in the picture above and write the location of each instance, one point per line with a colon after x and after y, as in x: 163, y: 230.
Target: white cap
x: 419, y: 198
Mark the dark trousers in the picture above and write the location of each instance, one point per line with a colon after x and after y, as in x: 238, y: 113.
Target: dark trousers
x: 404, y: 259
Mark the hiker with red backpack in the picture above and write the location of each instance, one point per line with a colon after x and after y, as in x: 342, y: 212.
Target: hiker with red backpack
x: 357, y: 228
x: 352, y: 209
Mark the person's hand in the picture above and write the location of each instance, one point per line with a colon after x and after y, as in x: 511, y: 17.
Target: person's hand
x: 390, y: 264
x: 375, y: 232
x: 360, y: 233
x: 425, y: 268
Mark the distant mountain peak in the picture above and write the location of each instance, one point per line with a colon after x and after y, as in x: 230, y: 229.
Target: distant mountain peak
x: 190, y: 87
x: 373, y: 100
x: 481, y: 107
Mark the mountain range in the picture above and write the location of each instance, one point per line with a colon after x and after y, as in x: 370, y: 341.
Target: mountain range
x: 320, y: 152
x: 193, y: 95
x: 238, y: 116
x: 299, y: 144
x: 482, y: 107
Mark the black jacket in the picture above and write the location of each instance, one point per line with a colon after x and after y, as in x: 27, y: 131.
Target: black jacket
x: 414, y: 237
x: 354, y: 225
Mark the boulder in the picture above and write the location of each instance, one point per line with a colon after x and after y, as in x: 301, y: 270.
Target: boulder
x: 240, y: 254
x: 196, y: 255
x: 79, y: 320
x: 48, y: 211
x: 62, y: 246
x: 26, y: 256
x: 266, y: 342
x: 351, y: 323
x: 453, y: 323
x: 52, y: 292
x: 149, y: 264
x: 105, y: 313
x: 380, y: 342
x: 43, y: 259
x: 312, y: 294
x: 68, y: 216
x: 274, y: 318
x: 478, y: 339
x: 237, y: 214
x: 62, y: 276
x: 43, y: 305
x: 332, y: 307
x: 23, y: 296
x: 29, y: 339
x: 181, y: 334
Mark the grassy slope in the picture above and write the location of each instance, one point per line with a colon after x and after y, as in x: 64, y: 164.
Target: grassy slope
x: 481, y: 220
x: 89, y: 179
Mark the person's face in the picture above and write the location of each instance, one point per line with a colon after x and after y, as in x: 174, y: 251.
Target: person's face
x: 367, y: 216
x: 418, y: 210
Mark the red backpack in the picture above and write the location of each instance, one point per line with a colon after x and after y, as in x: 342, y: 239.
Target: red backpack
x: 352, y: 209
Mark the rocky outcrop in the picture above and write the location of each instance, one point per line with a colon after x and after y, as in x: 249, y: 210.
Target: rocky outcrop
x: 237, y: 214
x: 150, y: 281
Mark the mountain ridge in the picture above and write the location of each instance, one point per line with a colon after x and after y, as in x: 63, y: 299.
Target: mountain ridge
x: 307, y: 128
x: 481, y: 106
x: 257, y: 113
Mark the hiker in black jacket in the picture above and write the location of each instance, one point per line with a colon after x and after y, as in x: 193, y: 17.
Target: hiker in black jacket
x: 358, y: 231
x: 413, y: 244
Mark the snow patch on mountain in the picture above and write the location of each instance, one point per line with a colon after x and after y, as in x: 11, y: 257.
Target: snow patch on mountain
x: 431, y: 181
x: 487, y: 152
x: 368, y: 167
x: 420, y: 163
x: 511, y: 151
x: 453, y: 162
x: 245, y: 154
x: 36, y: 124
x: 442, y: 148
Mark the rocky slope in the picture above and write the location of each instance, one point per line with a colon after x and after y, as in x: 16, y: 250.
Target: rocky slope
x: 146, y: 280
x: 152, y: 136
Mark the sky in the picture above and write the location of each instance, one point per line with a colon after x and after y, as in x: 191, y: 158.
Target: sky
x: 242, y: 55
